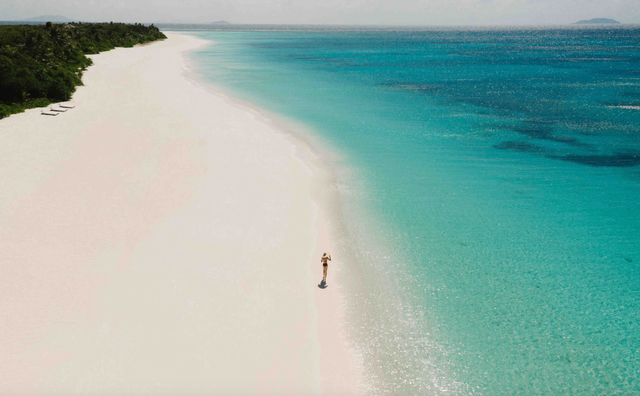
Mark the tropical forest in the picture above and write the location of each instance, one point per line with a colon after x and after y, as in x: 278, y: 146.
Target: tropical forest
x: 43, y: 64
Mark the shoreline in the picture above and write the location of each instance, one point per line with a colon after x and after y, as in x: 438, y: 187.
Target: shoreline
x: 114, y: 243
x: 336, y: 363
x: 372, y: 303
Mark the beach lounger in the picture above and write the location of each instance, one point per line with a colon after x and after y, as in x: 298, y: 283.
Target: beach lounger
x: 67, y: 105
x: 49, y: 113
x: 58, y: 109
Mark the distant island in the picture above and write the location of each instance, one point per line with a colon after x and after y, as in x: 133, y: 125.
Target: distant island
x: 49, y: 18
x: 597, y: 21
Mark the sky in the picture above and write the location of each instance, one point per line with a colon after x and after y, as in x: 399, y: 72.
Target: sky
x: 361, y: 12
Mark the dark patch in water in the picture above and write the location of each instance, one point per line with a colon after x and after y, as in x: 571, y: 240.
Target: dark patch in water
x: 628, y: 260
x: 539, y: 130
x: 622, y: 72
x: 631, y: 94
x: 544, y: 134
x: 521, y: 147
x: 617, y: 160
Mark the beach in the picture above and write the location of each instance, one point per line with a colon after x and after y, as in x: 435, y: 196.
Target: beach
x: 160, y: 238
x: 477, y: 193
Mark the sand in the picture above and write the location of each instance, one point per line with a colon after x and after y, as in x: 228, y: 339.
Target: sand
x: 163, y: 239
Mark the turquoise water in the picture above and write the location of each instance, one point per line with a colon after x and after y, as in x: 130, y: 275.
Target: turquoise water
x: 490, y: 180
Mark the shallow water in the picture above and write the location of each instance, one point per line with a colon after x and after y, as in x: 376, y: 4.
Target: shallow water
x: 491, y: 182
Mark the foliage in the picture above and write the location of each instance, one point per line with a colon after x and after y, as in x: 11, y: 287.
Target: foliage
x: 41, y: 64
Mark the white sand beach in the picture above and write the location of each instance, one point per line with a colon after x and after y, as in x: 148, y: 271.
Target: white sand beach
x: 159, y: 239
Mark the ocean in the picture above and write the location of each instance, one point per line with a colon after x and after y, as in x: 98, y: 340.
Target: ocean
x: 490, y: 188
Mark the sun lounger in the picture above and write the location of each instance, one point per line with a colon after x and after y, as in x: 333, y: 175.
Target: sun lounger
x: 58, y: 109
x: 49, y: 113
x: 67, y: 105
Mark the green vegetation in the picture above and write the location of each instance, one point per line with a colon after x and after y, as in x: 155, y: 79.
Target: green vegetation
x: 41, y: 64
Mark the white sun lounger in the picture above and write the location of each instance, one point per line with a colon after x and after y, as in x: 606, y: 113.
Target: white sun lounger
x: 49, y: 113
x: 58, y: 109
x: 67, y: 105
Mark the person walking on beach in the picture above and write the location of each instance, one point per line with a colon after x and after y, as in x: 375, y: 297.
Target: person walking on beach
x: 325, y: 266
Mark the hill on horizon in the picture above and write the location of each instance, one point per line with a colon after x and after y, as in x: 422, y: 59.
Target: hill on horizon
x: 49, y: 18
x: 597, y: 21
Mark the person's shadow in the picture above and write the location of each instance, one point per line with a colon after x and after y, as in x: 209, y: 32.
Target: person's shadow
x: 323, y: 285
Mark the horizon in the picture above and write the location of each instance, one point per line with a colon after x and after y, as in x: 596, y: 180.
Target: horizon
x: 331, y: 12
x: 32, y: 21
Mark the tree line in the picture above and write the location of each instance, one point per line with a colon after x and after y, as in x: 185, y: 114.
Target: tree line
x: 43, y: 64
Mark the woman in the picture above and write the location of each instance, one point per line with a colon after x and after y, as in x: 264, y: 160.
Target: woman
x: 325, y: 266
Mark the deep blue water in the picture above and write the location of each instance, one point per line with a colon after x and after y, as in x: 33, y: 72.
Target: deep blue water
x: 491, y: 186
